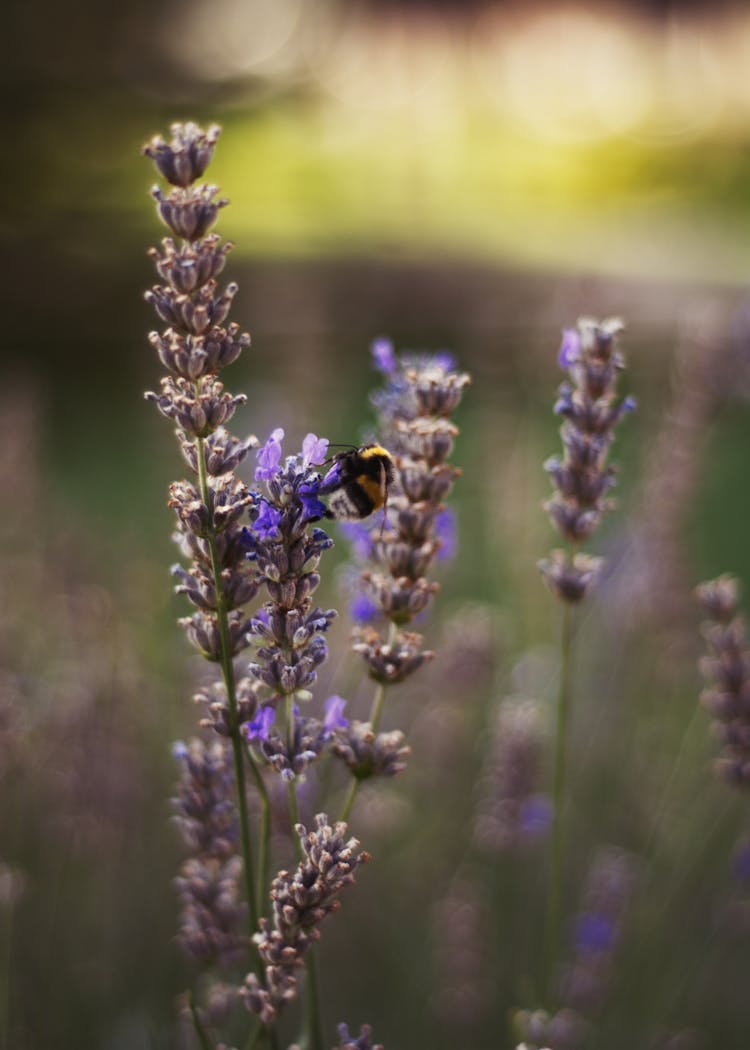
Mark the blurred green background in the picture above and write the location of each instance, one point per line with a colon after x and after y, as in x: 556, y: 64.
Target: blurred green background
x: 454, y: 175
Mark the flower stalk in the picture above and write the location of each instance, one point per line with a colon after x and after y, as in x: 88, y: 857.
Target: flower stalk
x: 582, y: 478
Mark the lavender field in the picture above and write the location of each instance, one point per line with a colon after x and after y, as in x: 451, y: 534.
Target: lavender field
x: 381, y: 679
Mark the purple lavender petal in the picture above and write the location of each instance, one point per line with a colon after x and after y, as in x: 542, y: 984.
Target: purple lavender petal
x: 535, y: 816
x: 332, y: 479
x: 445, y: 531
x: 260, y: 726
x: 383, y: 356
x: 269, y: 456
x: 334, y: 716
x: 443, y: 359
x: 312, y: 507
x: 594, y: 933
x: 314, y: 450
x: 570, y: 348
x: 360, y: 537
x: 266, y: 525
x: 363, y: 608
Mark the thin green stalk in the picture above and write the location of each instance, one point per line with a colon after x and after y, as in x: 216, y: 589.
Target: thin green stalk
x: 557, y: 859
x: 376, y: 713
x: 314, y: 1023
x: 314, y: 1018
x: 228, y: 674
x: 200, y: 1031
x: 264, y: 854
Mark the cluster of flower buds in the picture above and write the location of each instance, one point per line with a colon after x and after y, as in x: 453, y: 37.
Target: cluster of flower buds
x: 590, y: 409
x: 193, y: 348
x: 511, y: 809
x: 285, y: 547
x: 420, y: 394
x: 369, y: 754
x: 726, y: 669
x: 363, y: 1042
x: 212, y: 915
x: 301, y: 900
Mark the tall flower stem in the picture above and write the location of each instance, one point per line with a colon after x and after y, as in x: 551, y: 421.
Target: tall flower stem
x: 313, y: 1020
x: 264, y: 852
x: 227, y: 669
x: 557, y: 859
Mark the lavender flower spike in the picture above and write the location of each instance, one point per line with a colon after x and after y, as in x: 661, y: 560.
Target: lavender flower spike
x: 581, y: 477
x: 301, y: 900
x: 726, y: 670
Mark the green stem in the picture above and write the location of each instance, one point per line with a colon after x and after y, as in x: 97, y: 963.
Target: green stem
x: 313, y: 1022
x: 314, y: 1017
x: 557, y: 860
x: 264, y: 853
x: 227, y: 669
x: 199, y: 1029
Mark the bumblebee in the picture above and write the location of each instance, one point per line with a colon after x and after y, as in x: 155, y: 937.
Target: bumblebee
x: 357, y: 483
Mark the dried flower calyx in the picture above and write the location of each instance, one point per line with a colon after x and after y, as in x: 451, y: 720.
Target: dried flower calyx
x: 301, y: 900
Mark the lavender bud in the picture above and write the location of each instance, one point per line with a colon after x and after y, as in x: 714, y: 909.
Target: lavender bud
x: 186, y: 157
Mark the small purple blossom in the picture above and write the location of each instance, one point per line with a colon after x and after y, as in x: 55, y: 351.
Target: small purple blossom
x: 363, y: 608
x: 334, y: 716
x: 260, y: 726
x: 594, y: 933
x: 332, y: 479
x: 535, y: 816
x: 445, y: 532
x: 314, y: 450
x: 269, y: 456
x: 443, y: 359
x: 570, y: 348
x: 313, y: 508
x: 383, y: 356
x: 180, y: 750
x: 267, y: 523
x: 359, y: 535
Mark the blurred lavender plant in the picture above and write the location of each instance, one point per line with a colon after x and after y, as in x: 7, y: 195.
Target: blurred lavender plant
x: 726, y: 670
x: 420, y: 394
x: 588, y: 977
x: 511, y: 808
x: 230, y: 562
x: 590, y: 409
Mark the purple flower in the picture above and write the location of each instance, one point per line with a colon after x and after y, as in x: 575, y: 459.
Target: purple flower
x: 383, y: 356
x: 314, y: 450
x: 269, y: 456
x: 260, y: 726
x: 443, y: 359
x: 594, y: 933
x: 535, y: 816
x: 267, y: 523
x: 332, y: 479
x: 570, y: 348
x: 445, y: 532
x: 312, y: 507
x: 363, y: 608
x: 334, y: 716
x: 360, y: 537
x: 180, y: 750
